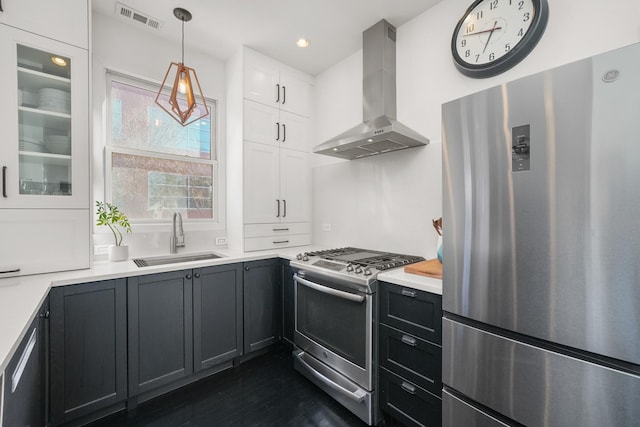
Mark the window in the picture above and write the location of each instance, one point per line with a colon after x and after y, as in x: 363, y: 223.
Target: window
x: 156, y: 167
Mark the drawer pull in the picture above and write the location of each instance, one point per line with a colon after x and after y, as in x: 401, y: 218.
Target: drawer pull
x: 409, y: 293
x: 409, y: 388
x: 409, y: 340
x: 280, y: 229
x: 281, y: 241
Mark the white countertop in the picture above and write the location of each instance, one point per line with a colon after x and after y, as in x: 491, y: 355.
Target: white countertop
x: 415, y: 281
x: 21, y: 297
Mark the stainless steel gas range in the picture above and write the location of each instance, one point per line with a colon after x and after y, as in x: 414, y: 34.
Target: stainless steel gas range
x: 335, y: 314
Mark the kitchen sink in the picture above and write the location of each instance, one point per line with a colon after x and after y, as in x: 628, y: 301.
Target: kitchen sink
x: 173, y: 259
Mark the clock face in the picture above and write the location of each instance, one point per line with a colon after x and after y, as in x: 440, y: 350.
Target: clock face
x: 494, y: 35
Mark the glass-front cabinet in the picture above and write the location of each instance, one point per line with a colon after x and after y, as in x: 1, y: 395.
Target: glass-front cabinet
x: 44, y: 154
x: 44, y: 151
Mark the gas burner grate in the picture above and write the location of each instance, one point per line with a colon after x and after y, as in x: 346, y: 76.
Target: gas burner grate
x: 388, y: 261
x: 372, y: 259
x: 336, y: 252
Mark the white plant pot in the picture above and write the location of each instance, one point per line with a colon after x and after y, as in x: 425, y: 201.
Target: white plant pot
x: 118, y: 253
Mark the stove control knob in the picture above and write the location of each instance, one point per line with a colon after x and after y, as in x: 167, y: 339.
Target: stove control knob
x: 349, y: 267
x: 299, y: 257
x: 367, y: 272
x: 358, y: 270
x: 305, y: 258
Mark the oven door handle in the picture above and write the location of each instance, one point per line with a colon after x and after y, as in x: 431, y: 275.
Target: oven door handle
x: 357, y: 396
x: 327, y: 290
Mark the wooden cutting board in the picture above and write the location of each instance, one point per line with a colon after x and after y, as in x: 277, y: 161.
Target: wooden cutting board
x: 429, y: 268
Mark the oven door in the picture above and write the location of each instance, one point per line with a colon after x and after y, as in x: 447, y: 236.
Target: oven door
x: 334, y: 324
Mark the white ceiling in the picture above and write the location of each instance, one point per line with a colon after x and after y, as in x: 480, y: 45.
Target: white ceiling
x: 220, y: 27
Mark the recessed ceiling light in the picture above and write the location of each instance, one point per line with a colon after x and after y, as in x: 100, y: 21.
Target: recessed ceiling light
x: 59, y: 61
x: 370, y: 140
x: 303, y: 42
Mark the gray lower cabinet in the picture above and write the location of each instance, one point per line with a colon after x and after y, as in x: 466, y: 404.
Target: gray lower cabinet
x: 410, y: 355
x: 288, y: 303
x: 25, y: 377
x: 217, y: 315
x: 88, y: 344
x: 262, y: 303
x: 160, y: 329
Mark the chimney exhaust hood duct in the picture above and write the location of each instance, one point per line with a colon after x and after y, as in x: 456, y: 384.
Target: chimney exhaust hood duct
x: 380, y: 132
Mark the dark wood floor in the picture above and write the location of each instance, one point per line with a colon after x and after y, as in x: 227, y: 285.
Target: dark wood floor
x: 264, y: 391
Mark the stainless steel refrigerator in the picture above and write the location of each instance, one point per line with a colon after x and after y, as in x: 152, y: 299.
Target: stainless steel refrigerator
x: 541, y: 218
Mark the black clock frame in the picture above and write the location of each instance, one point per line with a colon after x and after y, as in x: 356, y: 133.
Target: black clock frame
x: 511, y: 58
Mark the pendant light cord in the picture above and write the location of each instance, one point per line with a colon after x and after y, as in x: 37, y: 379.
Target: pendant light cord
x: 182, y: 41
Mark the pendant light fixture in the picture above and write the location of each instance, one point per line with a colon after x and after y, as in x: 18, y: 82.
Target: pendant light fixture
x: 185, y: 102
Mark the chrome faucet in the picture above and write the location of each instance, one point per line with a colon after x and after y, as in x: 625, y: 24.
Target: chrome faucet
x: 177, y: 238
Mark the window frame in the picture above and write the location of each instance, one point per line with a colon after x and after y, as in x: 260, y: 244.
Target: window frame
x: 217, y: 153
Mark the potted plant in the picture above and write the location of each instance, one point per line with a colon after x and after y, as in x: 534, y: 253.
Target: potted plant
x: 110, y: 216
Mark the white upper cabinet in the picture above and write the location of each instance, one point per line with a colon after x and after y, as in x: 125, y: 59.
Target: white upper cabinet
x: 268, y: 125
x: 44, y: 154
x: 295, y: 132
x: 294, y: 94
x: 262, y: 82
x: 267, y: 83
x: 63, y: 20
x: 276, y: 185
x: 261, y: 123
x: 277, y: 140
x: 295, y: 185
x: 262, y: 202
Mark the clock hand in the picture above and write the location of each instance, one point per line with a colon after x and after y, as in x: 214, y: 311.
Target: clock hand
x: 490, y: 34
x: 483, y: 31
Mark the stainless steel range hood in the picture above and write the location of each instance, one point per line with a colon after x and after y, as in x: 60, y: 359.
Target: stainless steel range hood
x: 380, y: 132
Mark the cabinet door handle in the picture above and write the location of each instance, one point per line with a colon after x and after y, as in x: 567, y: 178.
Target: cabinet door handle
x: 278, y: 203
x: 284, y: 132
x: 277, y: 131
x: 280, y: 229
x: 247, y: 269
x: 188, y: 276
x: 196, y: 275
x: 277, y: 92
x: 4, y: 181
x: 280, y: 241
x: 10, y: 271
x: 284, y: 202
x: 409, y: 388
x: 284, y: 94
x: 409, y: 293
x: 409, y: 340
x: 1, y: 10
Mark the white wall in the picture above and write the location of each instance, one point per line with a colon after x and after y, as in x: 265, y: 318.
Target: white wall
x: 387, y: 202
x: 121, y: 47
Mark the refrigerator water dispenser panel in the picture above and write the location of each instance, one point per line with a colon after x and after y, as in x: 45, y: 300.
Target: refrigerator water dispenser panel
x: 520, y: 148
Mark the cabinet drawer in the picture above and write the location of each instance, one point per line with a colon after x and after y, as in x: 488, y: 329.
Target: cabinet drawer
x: 276, y: 229
x: 274, y: 242
x: 417, y: 360
x: 408, y: 403
x: 416, y: 312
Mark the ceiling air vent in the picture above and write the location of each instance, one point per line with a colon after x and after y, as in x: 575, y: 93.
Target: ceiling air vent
x: 129, y: 14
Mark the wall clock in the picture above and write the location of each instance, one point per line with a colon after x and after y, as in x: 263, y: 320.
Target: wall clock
x: 494, y: 35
